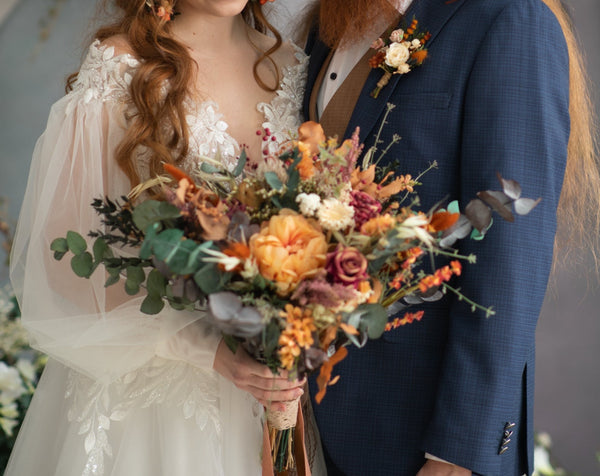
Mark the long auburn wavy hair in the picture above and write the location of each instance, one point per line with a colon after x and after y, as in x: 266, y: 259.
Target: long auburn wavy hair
x: 579, y: 206
x: 164, y: 60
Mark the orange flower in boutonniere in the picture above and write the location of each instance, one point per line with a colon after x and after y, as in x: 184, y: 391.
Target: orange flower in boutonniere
x: 399, y: 53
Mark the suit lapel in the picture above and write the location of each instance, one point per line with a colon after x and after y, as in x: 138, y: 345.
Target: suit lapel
x: 432, y: 16
x: 318, y: 55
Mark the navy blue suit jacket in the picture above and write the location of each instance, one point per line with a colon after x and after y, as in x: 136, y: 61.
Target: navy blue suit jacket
x: 491, y: 97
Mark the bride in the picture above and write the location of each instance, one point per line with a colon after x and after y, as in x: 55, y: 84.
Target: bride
x: 126, y: 394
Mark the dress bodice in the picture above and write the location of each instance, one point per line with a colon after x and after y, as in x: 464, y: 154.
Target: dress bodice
x: 106, y: 76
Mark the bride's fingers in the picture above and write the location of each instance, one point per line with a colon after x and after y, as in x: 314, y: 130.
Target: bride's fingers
x: 275, y: 396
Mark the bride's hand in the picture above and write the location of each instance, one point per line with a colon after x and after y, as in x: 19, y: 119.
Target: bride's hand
x: 257, y: 379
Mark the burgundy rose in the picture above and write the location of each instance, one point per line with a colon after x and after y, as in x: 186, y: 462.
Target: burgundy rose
x: 365, y: 207
x: 346, y: 266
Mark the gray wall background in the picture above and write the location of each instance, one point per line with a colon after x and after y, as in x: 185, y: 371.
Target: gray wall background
x: 32, y: 74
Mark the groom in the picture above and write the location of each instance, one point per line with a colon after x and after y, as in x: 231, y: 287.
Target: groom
x: 453, y: 393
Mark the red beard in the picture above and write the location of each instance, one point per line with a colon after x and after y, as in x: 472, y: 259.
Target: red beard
x: 351, y: 19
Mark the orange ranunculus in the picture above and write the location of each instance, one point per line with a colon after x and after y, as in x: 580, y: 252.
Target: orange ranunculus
x: 306, y: 166
x: 310, y: 138
x: 311, y: 133
x: 379, y: 225
x: 288, y: 249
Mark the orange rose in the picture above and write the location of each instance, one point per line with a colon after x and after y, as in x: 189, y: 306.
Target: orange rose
x: 289, y: 249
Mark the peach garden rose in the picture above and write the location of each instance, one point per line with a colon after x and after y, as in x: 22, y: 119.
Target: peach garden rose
x: 289, y: 249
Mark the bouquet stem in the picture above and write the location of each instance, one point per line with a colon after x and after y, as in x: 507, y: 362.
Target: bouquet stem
x: 281, y: 433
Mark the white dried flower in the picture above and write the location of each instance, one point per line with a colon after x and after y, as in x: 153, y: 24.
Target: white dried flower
x: 335, y: 215
x: 228, y: 262
x: 415, y: 44
x: 309, y: 203
x: 250, y: 270
x: 403, y: 68
x: 413, y: 227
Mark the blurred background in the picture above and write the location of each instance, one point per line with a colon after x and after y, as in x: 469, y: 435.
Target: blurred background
x: 41, y: 41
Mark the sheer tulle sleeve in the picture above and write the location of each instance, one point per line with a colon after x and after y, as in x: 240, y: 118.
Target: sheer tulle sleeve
x: 96, y: 330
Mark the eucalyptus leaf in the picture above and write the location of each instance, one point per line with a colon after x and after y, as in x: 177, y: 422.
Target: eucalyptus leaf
x: 358, y: 343
x: 100, y: 249
x: 181, y: 260
x: 478, y: 235
x: 229, y: 314
x: 232, y: 342
x: 524, y: 205
x: 60, y: 245
x: 165, y: 242
x: 458, y: 231
x: 478, y: 214
x: 112, y: 279
x: 273, y: 180
x: 276, y: 202
x: 375, y: 319
x: 512, y: 188
x: 239, y: 168
x: 271, y: 338
x: 153, y: 211
x: 135, y: 275
x: 58, y: 255
x: 453, y: 207
x: 146, y: 249
x: 156, y: 283
x: 76, y: 243
x: 209, y: 169
x: 499, y: 201
x: 152, y: 304
x: 132, y: 288
x: 372, y: 319
x: 207, y: 278
x: 82, y: 264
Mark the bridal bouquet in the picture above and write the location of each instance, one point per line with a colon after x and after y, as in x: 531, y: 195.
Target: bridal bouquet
x: 293, y: 257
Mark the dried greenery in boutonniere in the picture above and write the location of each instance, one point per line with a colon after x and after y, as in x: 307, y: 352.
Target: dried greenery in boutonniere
x: 399, y: 53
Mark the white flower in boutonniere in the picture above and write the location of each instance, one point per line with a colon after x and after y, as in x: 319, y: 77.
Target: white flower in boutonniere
x: 399, y: 54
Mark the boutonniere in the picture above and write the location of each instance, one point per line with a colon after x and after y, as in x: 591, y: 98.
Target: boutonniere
x: 399, y: 53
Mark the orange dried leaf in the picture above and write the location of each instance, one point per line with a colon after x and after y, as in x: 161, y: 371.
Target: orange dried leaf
x: 441, y: 221
x: 324, y: 377
x: 348, y: 329
x: 419, y: 56
x: 177, y: 173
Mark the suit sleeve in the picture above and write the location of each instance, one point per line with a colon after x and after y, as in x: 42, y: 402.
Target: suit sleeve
x: 516, y: 123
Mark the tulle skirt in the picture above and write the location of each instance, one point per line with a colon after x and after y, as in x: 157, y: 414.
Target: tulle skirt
x: 165, y: 419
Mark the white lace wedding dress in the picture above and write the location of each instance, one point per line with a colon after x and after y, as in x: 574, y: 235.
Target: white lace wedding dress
x: 124, y: 394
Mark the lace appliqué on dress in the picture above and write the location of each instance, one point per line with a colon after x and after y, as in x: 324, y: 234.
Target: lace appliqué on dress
x: 281, y: 114
x: 103, y: 76
x: 95, y: 406
x: 209, y: 137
